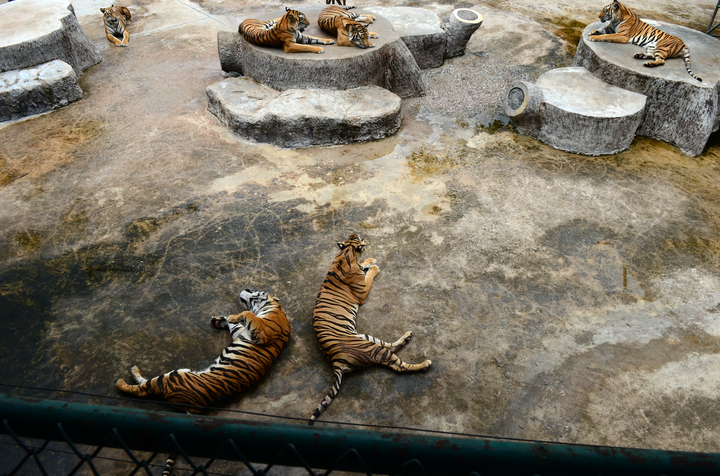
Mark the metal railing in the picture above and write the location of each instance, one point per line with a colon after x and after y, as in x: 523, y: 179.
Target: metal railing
x: 313, y: 448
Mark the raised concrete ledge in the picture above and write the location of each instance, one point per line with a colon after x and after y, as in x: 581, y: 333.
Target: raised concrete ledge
x: 33, y: 32
x: 420, y: 30
x: 572, y: 110
x: 36, y: 90
x: 680, y: 110
x: 389, y: 64
x: 304, y: 117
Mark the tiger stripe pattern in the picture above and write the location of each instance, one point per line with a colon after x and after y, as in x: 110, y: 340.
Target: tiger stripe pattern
x: 346, y: 26
x: 344, y: 290
x: 285, y: 31
x: 258, y: 336
x: 626, y: 27
x: 116, y: 19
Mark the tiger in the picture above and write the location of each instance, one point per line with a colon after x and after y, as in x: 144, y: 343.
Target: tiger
x: 346, y: 26
x: 285, y: 31
x: 344, y: 290
x: 258, y: 336
x: 116, y: 19
x: 626, y: 27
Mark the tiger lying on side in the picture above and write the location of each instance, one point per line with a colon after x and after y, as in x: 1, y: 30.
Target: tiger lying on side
x: 626, y: 27
x: 115, y: 19
x: 285, y: 32
x: 345, y: 288
x: 346, y: 26
x: 258, y: 336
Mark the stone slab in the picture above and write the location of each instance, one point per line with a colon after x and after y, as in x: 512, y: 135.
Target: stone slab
x: 681, y: 110
x: 304, y: 117
x: 420, y: 30
x: 572, y: 110
x: 38, y: 89
x: 389, y: 64
x: 33, y: 32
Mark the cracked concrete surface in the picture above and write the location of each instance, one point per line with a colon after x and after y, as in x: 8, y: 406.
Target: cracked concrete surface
x: 560, y: 297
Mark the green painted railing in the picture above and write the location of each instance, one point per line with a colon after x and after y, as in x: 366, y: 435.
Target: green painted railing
x: 368, y: 452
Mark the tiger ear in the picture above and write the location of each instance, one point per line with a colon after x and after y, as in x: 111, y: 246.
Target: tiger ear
x: 341, y: 245
x: 102, y: 10
x: 287, y: 9
x: 616, y: 4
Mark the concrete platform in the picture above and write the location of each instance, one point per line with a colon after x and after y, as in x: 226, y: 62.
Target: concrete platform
x: 680, y: 110
x: 33, y: 32
x: 38, y: 89
x: 304, y: 117
x: 420, y: 30
x: 389, y: 64
x: 572, y: 110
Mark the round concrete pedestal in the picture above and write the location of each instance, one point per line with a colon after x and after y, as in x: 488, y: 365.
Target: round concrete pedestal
x: 389, y: 64
x: 680, y: 110
x: 572, y: 110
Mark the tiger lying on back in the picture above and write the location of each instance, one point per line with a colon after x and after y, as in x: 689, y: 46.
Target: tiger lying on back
x: 285, y: 32
x: 258, y: 336
x: 115, y: 19
x: 626, y: 27
x: 345, y: 288
x: 346, y: 26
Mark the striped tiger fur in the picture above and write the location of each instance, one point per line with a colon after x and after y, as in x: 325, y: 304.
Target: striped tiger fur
x: 258, y: 336
x: 626, y: 27
x: 345, y: 289
x: 285, y: 31
x: 116, y: 19
x: 346, y: 26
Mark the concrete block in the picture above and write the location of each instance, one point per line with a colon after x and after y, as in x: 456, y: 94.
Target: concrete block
x: 572, y: 110
x: 33, y: 32
x: 681, y: 110
x: 304, y: 117
x: 420, y: 30
x: 37, y: 90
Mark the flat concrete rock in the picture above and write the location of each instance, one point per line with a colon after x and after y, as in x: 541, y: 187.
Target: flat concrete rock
x: 681, y: 110
x: 33, y: 32
x: 36, y: 90
x: 572, y: 110
x: 304, y: 117
x: 389, y: 64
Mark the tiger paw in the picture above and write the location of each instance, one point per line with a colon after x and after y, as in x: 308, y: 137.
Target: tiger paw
x: 639, y: 56
x: 595, y: 32
x: 368, y: 262
x: 427, y: 363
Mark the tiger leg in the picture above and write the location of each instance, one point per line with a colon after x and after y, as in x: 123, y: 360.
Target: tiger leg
x: 338, y: 371
x: 139, y: 390
x: 395, y: 346
x: 649, y: 53
x: 394, y: 362
x: 296, y: 48
x: 371, y: 270
x: 659, y: 61
x: 117, y: 41
x: 612, y: 38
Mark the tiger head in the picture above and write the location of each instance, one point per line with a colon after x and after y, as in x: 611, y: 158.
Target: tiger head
x: 353, y: 246
x: 615, y: 12
x: 297, y: 21
x: 257, y: 301
x: 111, y: 16
x: 357, y: 33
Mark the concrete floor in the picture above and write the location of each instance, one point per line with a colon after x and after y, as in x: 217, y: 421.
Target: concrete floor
x: 560, y: 297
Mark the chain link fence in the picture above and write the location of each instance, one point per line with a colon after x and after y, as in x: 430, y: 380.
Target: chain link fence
x: 51, y: 437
